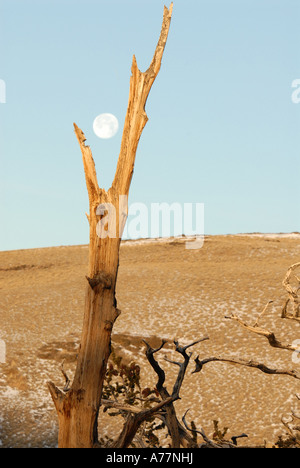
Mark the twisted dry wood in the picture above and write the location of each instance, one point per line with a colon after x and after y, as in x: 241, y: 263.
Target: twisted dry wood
x: 293, y: 295
x: 273, y: 340
x: 78, y: 408
x: 178, y: 434
x: 243, y: 362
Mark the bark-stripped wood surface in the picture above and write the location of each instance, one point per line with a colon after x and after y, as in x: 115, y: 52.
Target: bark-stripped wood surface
x: 78, y: 408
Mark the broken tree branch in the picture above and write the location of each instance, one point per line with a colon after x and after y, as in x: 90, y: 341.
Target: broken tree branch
x: 134, y: 421
x: 170, y: 418
x: 136, y: 117
x: 262, y: 313
x: 183, y: 366
x: 154, y: 364
x: 243, y: 362
x: 68, y: 381
x: 88, y: 164
x: 273, y: 341
x: 178, y: 434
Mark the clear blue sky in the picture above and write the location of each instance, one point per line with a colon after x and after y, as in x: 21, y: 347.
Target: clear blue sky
x: 222, y: 127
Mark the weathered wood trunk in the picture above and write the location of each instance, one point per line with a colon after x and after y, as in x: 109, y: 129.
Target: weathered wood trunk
x: 78, y: 408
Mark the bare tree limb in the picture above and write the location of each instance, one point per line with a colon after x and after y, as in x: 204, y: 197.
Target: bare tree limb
x: 273, y: 341
x: 170, y: 418
x: 68, y: 381
x: 136, y: 117
x: 286, y: 315
x: 262, y: 367
x: 177, y: 432
x: 134, y: 421
x: 119, y: 406
x: 154, y: 364
x: 183, y: 366
x: 262, y: 313
x: 57, y: 396
x: 88, y: 164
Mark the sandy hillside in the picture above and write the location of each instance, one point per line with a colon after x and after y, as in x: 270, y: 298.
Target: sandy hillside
x: 164, y: 291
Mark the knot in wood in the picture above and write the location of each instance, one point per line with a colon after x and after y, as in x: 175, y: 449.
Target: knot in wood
x: 100, y: 279
x: 108, y: 325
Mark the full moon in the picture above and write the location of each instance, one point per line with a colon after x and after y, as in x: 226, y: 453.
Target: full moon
x: 105, y: 125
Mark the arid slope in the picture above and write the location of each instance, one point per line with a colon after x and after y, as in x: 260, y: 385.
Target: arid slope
x: 164, y: 291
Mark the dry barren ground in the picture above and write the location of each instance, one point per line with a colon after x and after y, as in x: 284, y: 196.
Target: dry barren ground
x: 164, y: 291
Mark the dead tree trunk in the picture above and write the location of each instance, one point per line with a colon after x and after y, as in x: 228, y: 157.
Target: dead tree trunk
x: 78, y: 408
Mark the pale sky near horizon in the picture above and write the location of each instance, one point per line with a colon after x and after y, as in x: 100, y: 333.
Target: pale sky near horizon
x: 222, y: 128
